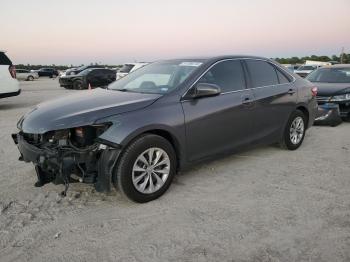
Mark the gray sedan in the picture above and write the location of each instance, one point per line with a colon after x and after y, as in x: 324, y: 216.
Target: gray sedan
x: 166, y: 116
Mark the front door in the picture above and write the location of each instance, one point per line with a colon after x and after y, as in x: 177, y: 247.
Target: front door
x: 220, y: 123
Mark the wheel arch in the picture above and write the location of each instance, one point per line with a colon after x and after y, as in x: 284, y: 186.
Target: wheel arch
x: 305, y: 111
x: 166, y: 134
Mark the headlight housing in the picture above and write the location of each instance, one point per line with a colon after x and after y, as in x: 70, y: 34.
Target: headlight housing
x: 86, y: 135
x: 340, y: 98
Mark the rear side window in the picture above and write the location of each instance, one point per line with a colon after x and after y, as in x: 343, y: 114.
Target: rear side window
x: 4, y: 60
x: 228, y: 75
x: 262, y: 73
x: 281, y: 77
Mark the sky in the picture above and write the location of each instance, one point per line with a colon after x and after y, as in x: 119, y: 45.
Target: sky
x: 113, y: 32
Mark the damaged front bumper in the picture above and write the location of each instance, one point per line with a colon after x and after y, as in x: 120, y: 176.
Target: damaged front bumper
x: 64, y: 164
x: 328, y: 115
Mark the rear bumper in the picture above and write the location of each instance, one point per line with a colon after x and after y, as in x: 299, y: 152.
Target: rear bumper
x: 10, y: 94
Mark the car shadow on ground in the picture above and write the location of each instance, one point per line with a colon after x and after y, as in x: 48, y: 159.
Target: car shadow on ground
x: 11, y: 106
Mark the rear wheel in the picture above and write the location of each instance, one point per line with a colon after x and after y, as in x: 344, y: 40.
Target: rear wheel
x: 146, y: 168
x: 78, y: 85
x: 294, y: 131
x: 30, y: 78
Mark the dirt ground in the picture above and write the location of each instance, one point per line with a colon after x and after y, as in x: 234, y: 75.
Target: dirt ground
x: 265, y: 204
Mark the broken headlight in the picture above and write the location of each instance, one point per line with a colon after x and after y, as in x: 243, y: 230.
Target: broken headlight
x: 85, y: 135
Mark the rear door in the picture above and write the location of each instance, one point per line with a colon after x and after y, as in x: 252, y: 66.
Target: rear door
x: 275, y: 98
x: 220, y: 123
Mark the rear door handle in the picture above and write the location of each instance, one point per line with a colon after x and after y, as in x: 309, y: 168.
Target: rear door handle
x: 291, y: 91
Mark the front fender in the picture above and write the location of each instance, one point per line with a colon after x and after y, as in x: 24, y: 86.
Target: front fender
x: 166, y: 117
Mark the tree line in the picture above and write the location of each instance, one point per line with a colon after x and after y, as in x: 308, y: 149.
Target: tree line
x: 301, y: 60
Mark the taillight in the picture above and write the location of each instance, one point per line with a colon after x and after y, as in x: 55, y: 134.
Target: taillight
x: 12, y: 70
x: 314, y: 91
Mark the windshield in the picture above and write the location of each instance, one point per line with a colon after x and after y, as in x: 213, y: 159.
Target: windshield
x: 156, y: 78
x: 330, y: 75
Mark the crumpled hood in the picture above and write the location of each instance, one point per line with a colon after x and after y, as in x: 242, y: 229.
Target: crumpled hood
x: 332, y: 89
x: 82, y: 108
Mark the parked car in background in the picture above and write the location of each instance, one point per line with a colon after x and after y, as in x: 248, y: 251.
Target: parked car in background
x: 63, y: 73
x: 128, y: 68
x: 143, y: 128
x: 50, y: 72
x: 27, y: 75
x: 292, y: 68
x: 75, y: 71
x: 304, y: 70
x: 9, y: 85
x: 333, y: 83
x: 96, y: 77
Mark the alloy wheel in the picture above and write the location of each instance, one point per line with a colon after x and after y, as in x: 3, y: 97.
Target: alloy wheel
x: 151, y: 170
x: 296, y: 131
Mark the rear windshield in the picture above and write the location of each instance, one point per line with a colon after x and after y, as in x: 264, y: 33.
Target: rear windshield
x: 330, y: 75
x: 4, y: 60
x: 126, y: 68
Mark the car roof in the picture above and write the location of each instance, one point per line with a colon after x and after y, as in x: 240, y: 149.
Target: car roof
x: 217, y: 58
x: 337, y: 66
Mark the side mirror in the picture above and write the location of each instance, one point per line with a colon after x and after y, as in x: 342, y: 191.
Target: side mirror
x: 205, y: 90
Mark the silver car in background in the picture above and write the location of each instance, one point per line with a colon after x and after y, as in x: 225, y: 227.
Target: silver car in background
x: 23, y: 74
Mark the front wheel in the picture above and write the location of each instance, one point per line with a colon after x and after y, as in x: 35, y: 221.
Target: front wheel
x: 146, y: 168
x: 294, y: 131
x: 78, y: 85
x: 30, y: 78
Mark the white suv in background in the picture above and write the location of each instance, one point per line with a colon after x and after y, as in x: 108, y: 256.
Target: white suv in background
x: 8, y: 83
x: 128, y: 68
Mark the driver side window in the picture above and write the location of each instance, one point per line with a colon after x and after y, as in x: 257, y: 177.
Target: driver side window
x: 228, y: 75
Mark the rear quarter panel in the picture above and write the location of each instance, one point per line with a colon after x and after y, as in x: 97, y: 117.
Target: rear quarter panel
x: 305, y: 98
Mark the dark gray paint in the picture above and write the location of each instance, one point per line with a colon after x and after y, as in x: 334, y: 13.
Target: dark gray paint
x: 200, y: 127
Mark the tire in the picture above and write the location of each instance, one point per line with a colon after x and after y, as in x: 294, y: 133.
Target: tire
x: 78, y: 85
x: 30, y: 78
x: 126, y: 176
x: 289, y: 140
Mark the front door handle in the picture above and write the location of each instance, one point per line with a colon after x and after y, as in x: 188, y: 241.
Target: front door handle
x: 291, y: 91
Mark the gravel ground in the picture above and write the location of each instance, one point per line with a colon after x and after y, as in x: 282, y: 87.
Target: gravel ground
x: 265, y: 204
